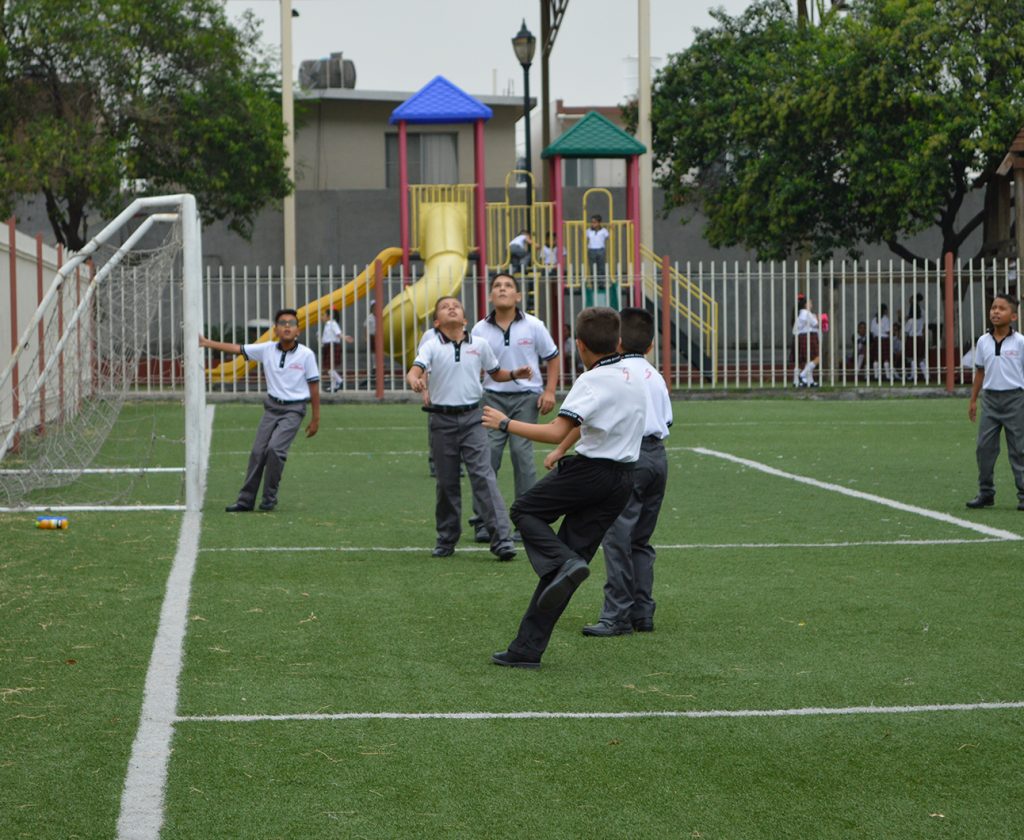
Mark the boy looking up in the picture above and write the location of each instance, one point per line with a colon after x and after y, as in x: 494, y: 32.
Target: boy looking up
x: 517, y: 339
x: 292, y: 380
x: 590, y: 489
x: 999, y: 377
x: 454, y: 362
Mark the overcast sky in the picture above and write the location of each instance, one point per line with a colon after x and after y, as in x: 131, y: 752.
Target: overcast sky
x: 402, y: 44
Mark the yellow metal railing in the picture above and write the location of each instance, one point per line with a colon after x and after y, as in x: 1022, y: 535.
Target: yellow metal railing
x: 690, y: 303
x: 506, y: 220
x: 421, y: 194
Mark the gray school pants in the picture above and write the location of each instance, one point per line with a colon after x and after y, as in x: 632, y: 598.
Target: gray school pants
x: 597, y: 260
x: 456, y: 438
x: 516, y: 406
x: 274, y: 436
x: 628, y: 553
x: 1000, y: 410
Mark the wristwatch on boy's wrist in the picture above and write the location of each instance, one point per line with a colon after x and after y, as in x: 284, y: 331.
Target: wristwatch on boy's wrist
x: 503, y: 425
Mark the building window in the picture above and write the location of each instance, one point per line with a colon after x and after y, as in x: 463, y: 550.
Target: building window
x: 433, y: 158
x: 579, y: 172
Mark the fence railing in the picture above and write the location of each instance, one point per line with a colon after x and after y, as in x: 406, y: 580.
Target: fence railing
x: 719, y: 326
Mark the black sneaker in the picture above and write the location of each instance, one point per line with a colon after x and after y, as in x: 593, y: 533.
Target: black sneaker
x: 442, y: 551
x: 513, y: 660
x: 980, y: 501
x: 237, y: 507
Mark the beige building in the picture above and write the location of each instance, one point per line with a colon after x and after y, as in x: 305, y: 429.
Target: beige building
x: 344, y: 142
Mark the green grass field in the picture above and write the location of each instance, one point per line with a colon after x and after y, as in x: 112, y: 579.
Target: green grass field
x: 336, y: 679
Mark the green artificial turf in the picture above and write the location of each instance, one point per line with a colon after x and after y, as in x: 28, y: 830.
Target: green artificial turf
x: 773, y: 594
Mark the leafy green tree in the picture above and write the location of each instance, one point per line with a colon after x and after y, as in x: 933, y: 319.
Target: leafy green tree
x: 871, y: 126
x: 102, y: 100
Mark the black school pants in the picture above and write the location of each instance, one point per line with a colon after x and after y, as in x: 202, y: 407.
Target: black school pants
x: 590, y: 493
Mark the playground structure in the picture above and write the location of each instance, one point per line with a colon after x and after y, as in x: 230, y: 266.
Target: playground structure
x: 451, y: 226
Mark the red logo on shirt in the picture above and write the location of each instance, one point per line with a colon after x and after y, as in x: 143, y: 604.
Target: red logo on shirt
x: 525, y: 342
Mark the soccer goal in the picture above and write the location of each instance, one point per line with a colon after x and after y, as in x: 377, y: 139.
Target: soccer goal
x: 132, y: 295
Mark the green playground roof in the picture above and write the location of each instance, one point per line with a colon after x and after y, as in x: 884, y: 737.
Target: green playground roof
x: 595, y: 136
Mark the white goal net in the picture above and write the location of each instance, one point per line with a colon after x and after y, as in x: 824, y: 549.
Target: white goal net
x: 78, y: 359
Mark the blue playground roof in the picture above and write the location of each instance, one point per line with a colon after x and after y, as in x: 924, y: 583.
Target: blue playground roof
x: 439, y: 101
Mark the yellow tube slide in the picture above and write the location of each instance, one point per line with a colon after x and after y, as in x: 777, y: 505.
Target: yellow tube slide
x: 309, y: 315
x: 443, y: 248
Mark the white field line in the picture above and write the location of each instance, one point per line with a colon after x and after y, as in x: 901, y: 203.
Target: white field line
x: 142, y: 801
x: 89, y: 508
x: 857, y: 494
x: 102, y: 471
x: 421, y: 549
x: 366, y: 453
x: 811, y: 711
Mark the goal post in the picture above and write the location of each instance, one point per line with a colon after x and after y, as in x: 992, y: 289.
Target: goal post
x: 78, y: 358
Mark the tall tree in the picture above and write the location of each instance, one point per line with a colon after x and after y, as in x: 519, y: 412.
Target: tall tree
x: 102, y: 100
x: 872, y: 126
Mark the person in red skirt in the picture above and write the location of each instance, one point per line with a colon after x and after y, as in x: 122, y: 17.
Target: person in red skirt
x: 805, y: 341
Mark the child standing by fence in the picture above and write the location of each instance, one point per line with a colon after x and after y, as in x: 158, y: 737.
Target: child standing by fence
x: 999, y: 377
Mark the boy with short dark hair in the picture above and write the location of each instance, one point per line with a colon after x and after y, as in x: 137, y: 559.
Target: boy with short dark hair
x: 517, y: 338
x: 589, y: 489
x: 999, y: 377
x: 293, y: 379
x: 454, y: 362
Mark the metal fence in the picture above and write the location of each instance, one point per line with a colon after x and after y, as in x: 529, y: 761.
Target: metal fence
x: 720, y: 326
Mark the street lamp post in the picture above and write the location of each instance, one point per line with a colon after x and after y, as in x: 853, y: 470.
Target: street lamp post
x: 524, y: 45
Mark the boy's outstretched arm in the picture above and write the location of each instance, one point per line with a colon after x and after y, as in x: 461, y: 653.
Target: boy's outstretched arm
x: 553, y: 432
x: 223, y: 346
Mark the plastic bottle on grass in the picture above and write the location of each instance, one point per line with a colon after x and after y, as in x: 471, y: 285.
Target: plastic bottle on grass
x: 54, y: 523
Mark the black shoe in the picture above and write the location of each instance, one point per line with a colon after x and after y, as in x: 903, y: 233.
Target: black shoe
x: 237, y: 507
x: 442, y: 551
x: 603, y: 629
x: 481, y: 535
x: 557, y: 593
x: 504, y: 553
x: 644, y: 625
x: 513, y: 660
x: 980, y: 501
x: 267, y: 506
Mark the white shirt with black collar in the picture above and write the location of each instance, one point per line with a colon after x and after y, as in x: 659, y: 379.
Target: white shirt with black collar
x: 455, y: 368
x: 288, y: 372
x: 1002, y: 361
x: 659, y: 403
x: 609, y: 404
x: 525, y: 342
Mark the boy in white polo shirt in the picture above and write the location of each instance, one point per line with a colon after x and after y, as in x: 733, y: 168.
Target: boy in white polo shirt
x: 292, y: 380
x: 518, y: 339
x: 609, y: 405
x: 999, y: 377
x: 628, y: 553
x: 455, y: 362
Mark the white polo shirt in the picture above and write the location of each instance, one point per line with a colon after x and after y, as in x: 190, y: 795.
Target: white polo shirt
x: 1002, y: 361
x: 659, y: 404
x: 597, y: 239
x: 288, y: 372
x: 331, y: 332
x: 806, y: 323
x: 455, y: 368
x: 609, y: 403
x: 525, y: 342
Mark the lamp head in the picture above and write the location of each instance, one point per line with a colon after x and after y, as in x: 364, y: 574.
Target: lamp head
x: 524, y: 45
